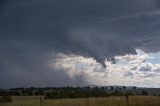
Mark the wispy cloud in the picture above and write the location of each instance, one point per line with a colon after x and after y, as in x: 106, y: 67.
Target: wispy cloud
x: 131, y: 16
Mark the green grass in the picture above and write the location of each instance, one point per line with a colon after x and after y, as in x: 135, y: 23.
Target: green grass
x: 110, y: 101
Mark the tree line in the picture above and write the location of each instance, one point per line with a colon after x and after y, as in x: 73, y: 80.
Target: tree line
x: 72, y: 92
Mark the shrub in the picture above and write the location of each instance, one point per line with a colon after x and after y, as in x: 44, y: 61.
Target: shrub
x: 5, y: 99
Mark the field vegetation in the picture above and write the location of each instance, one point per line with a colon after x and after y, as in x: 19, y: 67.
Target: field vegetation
x: 80, y: 96
x: 99, y: 101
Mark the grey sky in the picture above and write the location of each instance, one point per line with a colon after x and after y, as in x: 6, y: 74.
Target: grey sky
x: 32, y: 30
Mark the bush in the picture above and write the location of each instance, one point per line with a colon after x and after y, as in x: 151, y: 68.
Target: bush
x: 5, y: 99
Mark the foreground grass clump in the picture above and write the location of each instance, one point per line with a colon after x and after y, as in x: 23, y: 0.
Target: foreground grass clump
x: 5, y: 99
x: 108, y: 101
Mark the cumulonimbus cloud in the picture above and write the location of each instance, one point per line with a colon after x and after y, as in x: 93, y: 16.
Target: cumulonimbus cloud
x: 90, y: 28
x: 69, y: 28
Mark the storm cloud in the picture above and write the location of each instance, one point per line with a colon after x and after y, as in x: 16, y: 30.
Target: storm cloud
x: 33, y: 30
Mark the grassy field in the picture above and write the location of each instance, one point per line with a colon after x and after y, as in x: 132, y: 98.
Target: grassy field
x: 110, y: 101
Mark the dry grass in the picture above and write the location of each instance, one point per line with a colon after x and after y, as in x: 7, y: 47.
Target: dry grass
x: 110, y: 101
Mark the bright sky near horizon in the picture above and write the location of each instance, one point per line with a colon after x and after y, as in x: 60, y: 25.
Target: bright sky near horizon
x: 141, y: 70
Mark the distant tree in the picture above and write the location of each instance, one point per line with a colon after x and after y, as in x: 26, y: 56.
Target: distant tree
x: 106, y: 88
x: 27, y: 92
x: 124, y: 88
x: 39, y: 92
x: 30, y: 93
x: 112, y: 88
x: 14, y: 93
x: 144, y: 93
x: 154, y: 94
x: 128, y: 93
x: 116, y: 93
x: 2, y: 92
x: 120, y: 89
x: 117, y: 88
x: 137, y: 93
x: 134, y: 88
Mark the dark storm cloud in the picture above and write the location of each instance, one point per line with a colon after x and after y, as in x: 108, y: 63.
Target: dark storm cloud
x: 25, y: 65
x: 93, y: 28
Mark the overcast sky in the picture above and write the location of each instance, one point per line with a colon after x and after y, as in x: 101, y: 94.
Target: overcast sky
x: 79, y: 42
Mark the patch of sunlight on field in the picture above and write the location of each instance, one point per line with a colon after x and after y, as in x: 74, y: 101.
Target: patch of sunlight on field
x: 110, y: 101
